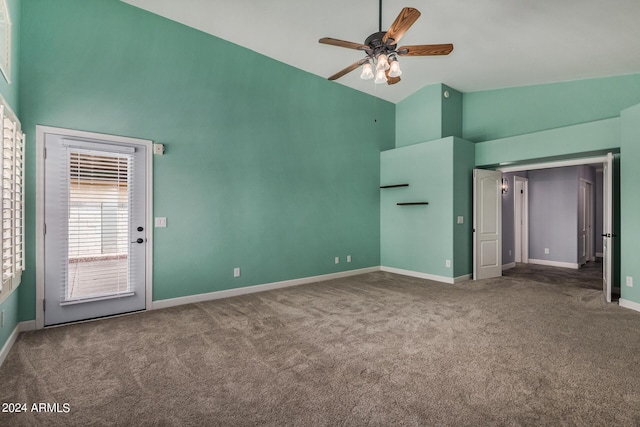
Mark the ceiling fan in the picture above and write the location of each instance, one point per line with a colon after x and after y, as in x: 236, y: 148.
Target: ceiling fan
x: 381, y: 49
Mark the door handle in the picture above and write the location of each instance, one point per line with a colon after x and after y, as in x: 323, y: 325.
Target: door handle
x: 138, y: 240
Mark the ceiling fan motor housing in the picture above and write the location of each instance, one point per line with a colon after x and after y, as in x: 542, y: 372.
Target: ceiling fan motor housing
x: 377, y: 46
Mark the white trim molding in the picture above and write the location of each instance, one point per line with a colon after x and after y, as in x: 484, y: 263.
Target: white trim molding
x: 172, y: 302
x: 6, y: 348
x: 20, y: 327
x: 599, y: 255
x: 463, y: 278
x: 427, y: 276
x: 573, y: 265
x: 629, y: 304
x: 508, y: 266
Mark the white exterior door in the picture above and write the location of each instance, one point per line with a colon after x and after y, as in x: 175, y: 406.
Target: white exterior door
x: 95, y: 228
x: 487, y: 224
x: 607, y: 228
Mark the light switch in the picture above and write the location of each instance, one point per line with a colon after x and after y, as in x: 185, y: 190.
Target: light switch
x: 161, y: 222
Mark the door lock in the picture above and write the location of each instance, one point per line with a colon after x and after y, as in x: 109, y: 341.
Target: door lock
x: 139, y: 240
x: 140, y: 229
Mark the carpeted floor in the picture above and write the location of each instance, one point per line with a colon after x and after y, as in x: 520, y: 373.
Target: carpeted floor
x: 376, y: 349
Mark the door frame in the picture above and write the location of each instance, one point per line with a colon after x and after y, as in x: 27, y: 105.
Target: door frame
x: 607, y: 193
x: 41, y: 131
x: 521, y: 233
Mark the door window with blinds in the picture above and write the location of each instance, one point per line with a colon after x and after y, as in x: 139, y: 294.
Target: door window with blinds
x: 95, y: 229
x: 98, y: 223
x: 12, y: 187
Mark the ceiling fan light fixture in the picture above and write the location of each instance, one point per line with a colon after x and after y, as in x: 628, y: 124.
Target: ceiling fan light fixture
x: 394, y: 70
x: 380, y: 77
x: 383, y: 62
x: 367, y: 71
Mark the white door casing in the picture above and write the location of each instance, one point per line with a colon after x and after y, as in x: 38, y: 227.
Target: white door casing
x: 607, y: 228
x: 487, y: 224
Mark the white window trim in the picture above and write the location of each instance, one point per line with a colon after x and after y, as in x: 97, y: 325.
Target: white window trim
x: 41, y: 131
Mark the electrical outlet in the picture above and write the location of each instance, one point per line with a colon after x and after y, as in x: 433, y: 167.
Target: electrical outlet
x: 161, y: 222
x: 546, y: 251
x: 629, y: 282
x: 348, y: 258
x: 236, y: 272
x: 337, y: 260
x: 447, y: 263
x: 460, y: 220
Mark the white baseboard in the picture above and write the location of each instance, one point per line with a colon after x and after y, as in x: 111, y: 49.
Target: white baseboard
x: 6, y: 348
x: 508, y: 266
x: 20, y: 327
x: 464, y: 278
x: 420, y: 275
x: 27, y: 326
x: 600, y: 254
x: 172, y: 302
x: 629, y: 304
x: 554, y: 263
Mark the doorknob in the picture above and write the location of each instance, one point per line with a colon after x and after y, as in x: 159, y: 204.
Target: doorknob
x: 139, y: 240
x: 140, y: 229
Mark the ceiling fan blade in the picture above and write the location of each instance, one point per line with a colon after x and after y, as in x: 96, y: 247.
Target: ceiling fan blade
x: 425, y: 50
x: 403, y: 22
x: 347, y: 70
x: 341, y: 43
x: 391, y: 80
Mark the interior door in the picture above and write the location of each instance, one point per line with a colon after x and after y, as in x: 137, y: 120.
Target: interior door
x: 521, y: 219
x: 607, y: 228
x: 95, y: 229
x: 583, y: 222
x: 487, y: 224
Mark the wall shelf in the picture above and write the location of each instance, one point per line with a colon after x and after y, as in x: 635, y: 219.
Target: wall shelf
x: 394, y: 186
x: 411, y: 203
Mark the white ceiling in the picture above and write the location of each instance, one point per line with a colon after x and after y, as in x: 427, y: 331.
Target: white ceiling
x: 498, y: 43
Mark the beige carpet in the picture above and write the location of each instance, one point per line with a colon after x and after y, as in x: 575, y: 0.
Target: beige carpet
x: 376, y: 349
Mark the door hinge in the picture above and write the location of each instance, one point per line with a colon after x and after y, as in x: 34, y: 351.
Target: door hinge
x: 45, y: 228
x: 521, y: 191
x: 44, y: 305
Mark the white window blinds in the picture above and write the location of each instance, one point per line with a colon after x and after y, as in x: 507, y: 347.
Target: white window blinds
x: 98, y: 202
x: 12, y: 183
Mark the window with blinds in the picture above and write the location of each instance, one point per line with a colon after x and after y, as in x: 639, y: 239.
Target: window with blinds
x: 98, y: 186
x: 12, y: 189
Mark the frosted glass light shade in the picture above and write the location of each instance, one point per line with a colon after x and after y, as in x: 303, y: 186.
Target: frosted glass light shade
x: 380, y: 77
x: 395, y: 70
x: 383, y: 63
x: 367, y: 72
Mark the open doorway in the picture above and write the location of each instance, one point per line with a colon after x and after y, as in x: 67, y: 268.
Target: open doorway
x: 542, y: 236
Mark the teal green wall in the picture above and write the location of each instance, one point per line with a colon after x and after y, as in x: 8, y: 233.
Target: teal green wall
x: 595, y: 136
x: 267, y: 168
x: 451, y: 113
x: 419, y: 116
x: 495, y: 114
x: 418, y: 238
x: 426, y: 115
x: 462, y: 189
x: 630, y: 203
x: 9, y: 91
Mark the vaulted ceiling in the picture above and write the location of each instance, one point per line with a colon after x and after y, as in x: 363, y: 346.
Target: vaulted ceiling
x: 498, y: 43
